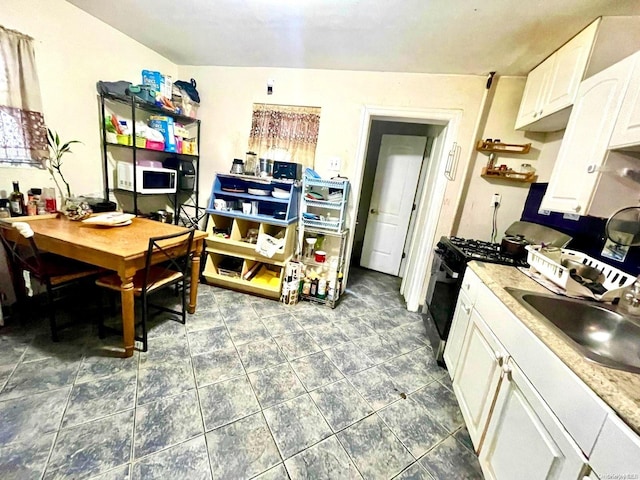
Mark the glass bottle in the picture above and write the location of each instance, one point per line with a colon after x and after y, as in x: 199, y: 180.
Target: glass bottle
x: 16, y: 201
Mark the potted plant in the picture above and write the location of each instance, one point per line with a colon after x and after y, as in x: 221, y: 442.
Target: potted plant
x: 72, y: 207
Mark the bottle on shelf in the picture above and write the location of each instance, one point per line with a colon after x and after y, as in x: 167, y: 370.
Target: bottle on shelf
x: 16, y: 201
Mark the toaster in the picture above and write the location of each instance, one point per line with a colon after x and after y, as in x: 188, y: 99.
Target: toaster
x: 287, y: 170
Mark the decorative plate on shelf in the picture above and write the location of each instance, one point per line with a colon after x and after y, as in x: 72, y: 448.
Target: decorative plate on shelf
x: 257, y: 191
x: 233, y: 189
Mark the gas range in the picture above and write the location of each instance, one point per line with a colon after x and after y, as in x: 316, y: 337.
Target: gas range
x: 469, y: 249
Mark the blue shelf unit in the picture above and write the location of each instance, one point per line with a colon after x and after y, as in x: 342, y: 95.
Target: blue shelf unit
x: 235, y: 189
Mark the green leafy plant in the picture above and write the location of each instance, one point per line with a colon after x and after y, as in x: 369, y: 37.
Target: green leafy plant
x: 54, y: 164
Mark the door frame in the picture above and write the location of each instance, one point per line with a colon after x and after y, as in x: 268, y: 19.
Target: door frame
x: 431, y: 198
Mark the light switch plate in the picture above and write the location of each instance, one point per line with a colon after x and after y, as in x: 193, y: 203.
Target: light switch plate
x: 334, y: 164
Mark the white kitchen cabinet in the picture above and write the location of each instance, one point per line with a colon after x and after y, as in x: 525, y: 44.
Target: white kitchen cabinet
x: 626, y: 132
x: 586, y: 139
x: 552, y: 86
x: 477, y: 376
x: 456, y: 334
x: 616, y: 453
x: 471, y: 285
x: 524, y: 439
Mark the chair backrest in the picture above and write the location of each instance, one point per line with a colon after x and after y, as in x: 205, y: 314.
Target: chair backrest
x: 173, y: 252
x: 24, y: 255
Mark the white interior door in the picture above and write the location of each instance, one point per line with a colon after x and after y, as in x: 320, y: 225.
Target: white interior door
x: 394, y: 189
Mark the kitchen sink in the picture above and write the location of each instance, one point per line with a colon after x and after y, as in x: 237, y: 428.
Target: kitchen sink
x: 595, y: 330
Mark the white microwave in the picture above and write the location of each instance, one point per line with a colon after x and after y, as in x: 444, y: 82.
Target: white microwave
x: 148, y: 179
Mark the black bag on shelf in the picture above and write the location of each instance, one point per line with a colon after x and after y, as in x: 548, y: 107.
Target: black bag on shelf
x: 119, y: 88
x: 190, y: 88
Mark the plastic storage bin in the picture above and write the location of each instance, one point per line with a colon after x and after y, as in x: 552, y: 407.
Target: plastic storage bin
x: 151, y: 145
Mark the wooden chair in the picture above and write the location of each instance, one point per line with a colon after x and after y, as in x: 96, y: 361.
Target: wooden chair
x: 163, y: 268
x: 55, y: 272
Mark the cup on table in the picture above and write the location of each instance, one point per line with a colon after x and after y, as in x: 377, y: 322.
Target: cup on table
x: 254, y: 207
x: 320, y: 256
x: 219, y: 204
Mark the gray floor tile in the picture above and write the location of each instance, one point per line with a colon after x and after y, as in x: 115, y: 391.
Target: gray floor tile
x: 12, y: 347
x: 39, y: 376
x: 275, y: 385
x: 411, y: 423
x: 208, y: 340
x: 159, y: 380
x: 260, y: 355
x: 26, y: 418
x: 164, y: 350
x: 414, y: 472
x: 166, y: 422
x: 236, y: 310
x: 441, y: 404
x: 412, y: 370
x: 376, y: 386
x: 204, y: 318
x: 349, y: 358
x: 94, y: 368
x: 25, y: 461
x: 265, y: 307
x: 462, y: 435
x: 247, y: 330
x: 165, y: 324
x: 353, y: 306
x: 297, y: 345
x: 226, y: 402
x: 325, y: 460
x: 374, y: 449
x: 451, y: 460
x: 281, y: 324
x: 341, y: 404
x: 242, y: 449
x: 296, y: 425
x: 216, y: 366
x: 354, y: 328
x: 188, y: 460
x: 120, y: 473
x: 310, y: 318
x: 5, y: 372
x: 91, y: 448
x: 93, y: 400
x: 377, y: 348
x: 402, y: 340
x: 316, y: 370
x: 380, y: 322
x: 328, y: 335
x: 276, y: 473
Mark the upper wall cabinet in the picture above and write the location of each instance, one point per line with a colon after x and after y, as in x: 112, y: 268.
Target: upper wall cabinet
x: 552, y: 86
x: 626, y: 132
x: 576, y: 173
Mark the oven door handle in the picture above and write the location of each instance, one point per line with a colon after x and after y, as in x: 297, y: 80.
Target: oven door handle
x: 446, y: 268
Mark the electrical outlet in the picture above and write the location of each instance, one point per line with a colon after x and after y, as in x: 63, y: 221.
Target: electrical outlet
x: 334, y: 164
x: 495, y: 199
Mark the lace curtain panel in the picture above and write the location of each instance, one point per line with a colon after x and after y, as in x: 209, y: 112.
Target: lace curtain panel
x: 287, y: 133
x: 23, y: 134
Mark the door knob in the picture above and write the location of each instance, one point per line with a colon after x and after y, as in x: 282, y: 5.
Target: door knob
x: 374, y: 211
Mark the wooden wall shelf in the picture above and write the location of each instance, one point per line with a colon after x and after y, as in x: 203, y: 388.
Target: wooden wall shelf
x: 508, y: 175
x: 490, y: 147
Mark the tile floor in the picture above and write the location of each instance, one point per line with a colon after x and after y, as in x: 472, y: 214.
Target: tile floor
x: 250, y: 388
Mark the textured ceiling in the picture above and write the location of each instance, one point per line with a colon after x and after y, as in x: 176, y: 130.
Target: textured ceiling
x: 425, y: 36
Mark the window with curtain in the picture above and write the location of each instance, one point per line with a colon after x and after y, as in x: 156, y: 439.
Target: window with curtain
x: 285, y: 132
x: 23, y: 134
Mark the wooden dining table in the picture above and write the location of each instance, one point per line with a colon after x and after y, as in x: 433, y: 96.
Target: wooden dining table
x: 121, y: 249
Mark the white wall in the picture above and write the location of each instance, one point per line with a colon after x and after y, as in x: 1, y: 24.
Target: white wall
x: 73, y: 51
x: 475, y: 220
x: 228, y: 94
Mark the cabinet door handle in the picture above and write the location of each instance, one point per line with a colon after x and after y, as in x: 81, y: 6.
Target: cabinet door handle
x: 373, y: 211
x: 506, y: 371
x: 577, y: 208
x: 466, y: 309
x: 535, y: 114
x: 499, y: 357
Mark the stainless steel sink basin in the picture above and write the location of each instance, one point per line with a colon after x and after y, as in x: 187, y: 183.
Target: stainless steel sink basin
x: 597, y: 331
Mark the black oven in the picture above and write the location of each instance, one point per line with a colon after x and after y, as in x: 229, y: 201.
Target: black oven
x: 442, y: 294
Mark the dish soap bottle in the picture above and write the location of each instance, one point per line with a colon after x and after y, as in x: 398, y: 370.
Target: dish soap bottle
x: 630, y: 299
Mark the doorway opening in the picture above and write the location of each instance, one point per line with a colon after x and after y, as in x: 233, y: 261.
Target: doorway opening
x: 441, y: 127
x: 395, y: 171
